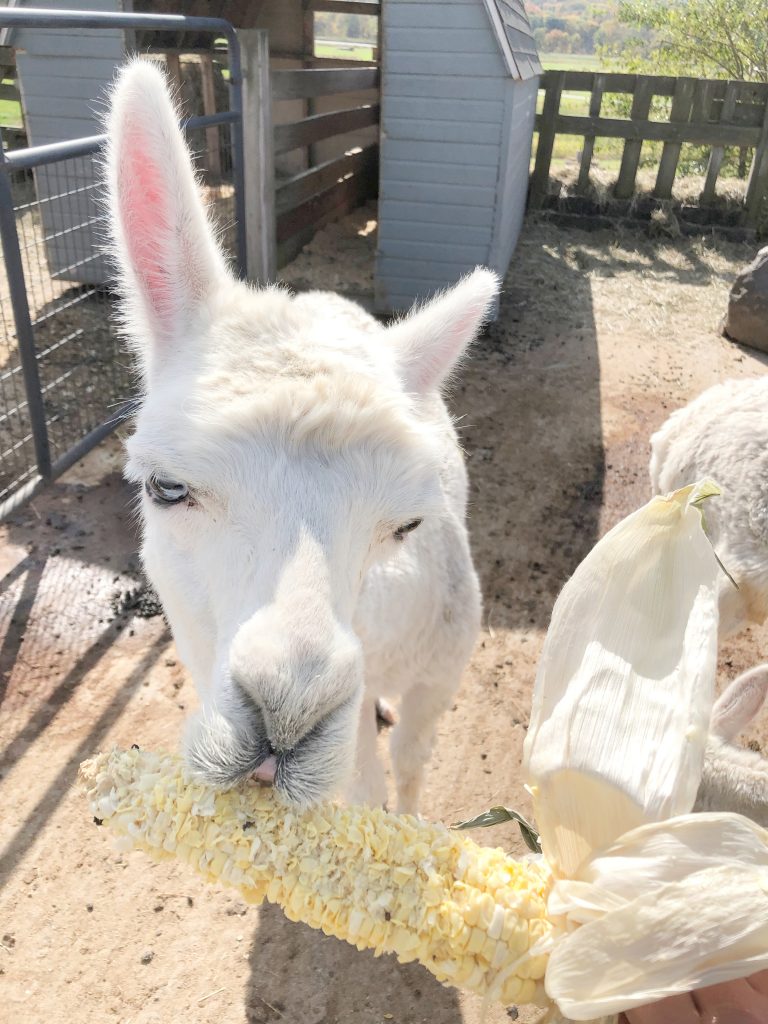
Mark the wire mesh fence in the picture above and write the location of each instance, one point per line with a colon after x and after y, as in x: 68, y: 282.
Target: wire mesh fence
x: 65, y: 376
x: 82, y: 371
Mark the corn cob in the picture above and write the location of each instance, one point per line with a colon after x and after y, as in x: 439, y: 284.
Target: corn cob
x: 390, y: 883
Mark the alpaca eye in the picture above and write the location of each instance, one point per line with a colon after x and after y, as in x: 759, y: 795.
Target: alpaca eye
x: 401, y: 531
x: 166, y: 492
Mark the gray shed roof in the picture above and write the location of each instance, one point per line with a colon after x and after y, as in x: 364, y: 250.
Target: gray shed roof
x: 513, y: 31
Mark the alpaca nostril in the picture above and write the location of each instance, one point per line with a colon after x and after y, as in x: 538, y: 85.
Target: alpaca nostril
x: 267, y: 770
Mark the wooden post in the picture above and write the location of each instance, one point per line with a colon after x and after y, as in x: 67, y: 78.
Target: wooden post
x: 718, y: 152
x: 670, y: 154
x: 258, y: 156
x: 209, y: 107
x: 173, y: 66
x: 758, y: 177
x: 308, y: 49
x: 553, y: 81
x: 630, y: 157
x: 595, y: 103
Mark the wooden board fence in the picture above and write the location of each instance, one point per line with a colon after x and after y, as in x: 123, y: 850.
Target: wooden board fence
x: 703, y: 112
x: 283, y: 215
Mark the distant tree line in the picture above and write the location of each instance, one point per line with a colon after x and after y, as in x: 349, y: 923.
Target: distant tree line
x: 576, y: 26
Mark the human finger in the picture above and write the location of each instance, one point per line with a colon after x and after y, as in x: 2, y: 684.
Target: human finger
x: 673, y: 1010
x: 759, y: 982
x: 731, y: 1002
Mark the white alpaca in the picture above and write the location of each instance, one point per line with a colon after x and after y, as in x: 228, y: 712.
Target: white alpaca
x: 723, y: 434
x: 734, y: 778
x: 303, y: 489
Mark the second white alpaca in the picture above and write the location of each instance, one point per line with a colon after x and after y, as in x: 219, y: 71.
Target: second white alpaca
x: 723, y: 434
x: 735, y: 778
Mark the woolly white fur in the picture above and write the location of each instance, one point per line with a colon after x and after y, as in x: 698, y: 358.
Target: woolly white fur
x: 723, y: 434
x: 307, y: 434
x: 735, y: 778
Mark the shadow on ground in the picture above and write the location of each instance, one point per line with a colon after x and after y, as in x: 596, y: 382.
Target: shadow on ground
x: 535, y: 451
x: 63, y: 600
x: 343, y: 984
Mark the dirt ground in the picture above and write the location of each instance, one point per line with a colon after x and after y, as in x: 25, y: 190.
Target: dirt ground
x: 600, y: 337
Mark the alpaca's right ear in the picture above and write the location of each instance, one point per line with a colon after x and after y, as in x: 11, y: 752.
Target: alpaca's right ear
x: 167, y: 258
x: 740, y: 703
x: 429, y: 342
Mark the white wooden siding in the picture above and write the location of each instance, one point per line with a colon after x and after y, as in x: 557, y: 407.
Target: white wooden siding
x: 64, y: 76
x: 513, y: 184
x: 455, y: 145
x: 445, y: 40
x: 435, y: 213
x: 438, y: 173
x: 463, y: 195
x: 443, y: 86
x: 439, y: 130
x: 430, y: 152
x: 447, y: 234
x: 461, y: 111
x: 424, y: 15
x: 436, y: 63
x: 442, y: 105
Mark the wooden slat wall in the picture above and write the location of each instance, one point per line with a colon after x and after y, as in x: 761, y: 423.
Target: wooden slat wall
x: 339, y: 182
x: 321, y: 126
x: 703, y: 112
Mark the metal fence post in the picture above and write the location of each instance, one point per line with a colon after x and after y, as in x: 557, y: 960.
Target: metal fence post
x: 259, y: 162
x: 238, y: 161
x: 63, y: 423
x: 24, y: 334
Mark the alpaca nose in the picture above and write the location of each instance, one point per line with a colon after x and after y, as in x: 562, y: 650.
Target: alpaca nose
x: 267, y: 770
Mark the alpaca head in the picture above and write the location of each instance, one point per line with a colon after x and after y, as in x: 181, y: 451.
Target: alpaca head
x: 283, y: 445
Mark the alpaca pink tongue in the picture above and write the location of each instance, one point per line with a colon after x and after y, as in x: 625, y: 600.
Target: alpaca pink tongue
x: 266, y: 770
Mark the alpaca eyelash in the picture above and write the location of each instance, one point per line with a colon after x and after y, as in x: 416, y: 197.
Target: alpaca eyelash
x: 406, y: 528
x: 166, y: 492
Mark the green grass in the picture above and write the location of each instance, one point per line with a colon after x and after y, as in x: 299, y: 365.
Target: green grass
x: 344, y: 52
x: 570, y: 61
x: 574, y: 103
x: 10, y: 112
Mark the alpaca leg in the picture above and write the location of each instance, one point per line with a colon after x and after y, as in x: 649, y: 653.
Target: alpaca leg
x: 369, y: 783
x: 414, y: 737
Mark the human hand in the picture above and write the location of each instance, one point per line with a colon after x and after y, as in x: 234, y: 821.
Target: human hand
x: 744, y: 1001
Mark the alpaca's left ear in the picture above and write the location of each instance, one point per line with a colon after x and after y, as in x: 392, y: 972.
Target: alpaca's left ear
x: 430, y: 341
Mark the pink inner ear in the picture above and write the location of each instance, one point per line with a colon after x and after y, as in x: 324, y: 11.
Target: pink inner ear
x: 144, y: 209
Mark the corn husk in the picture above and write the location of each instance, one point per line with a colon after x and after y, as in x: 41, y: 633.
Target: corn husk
x: 668, y: 908
x: 649, y: 900
x: 625, y: 684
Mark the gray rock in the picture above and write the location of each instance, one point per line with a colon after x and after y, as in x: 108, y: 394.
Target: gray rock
x: 747, y: 318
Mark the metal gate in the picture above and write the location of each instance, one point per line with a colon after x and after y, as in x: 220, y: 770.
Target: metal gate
x: 65, y: 382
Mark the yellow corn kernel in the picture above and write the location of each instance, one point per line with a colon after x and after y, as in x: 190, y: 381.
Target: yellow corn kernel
x: 382, y: 882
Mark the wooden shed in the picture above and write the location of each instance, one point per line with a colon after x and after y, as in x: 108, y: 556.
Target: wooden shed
x: 459, y: 87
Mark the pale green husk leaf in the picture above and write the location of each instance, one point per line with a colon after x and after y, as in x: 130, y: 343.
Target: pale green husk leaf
x: 498, y: 816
